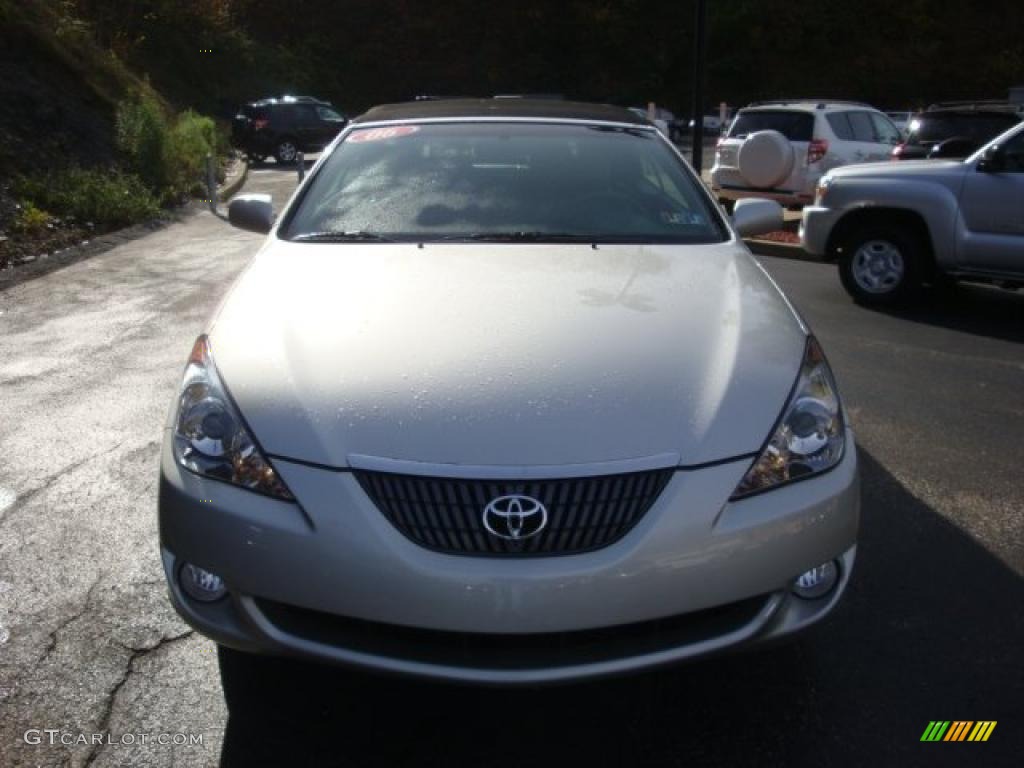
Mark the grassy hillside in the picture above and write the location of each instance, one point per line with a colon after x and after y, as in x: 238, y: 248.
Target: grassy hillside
x: 59, y: 90
x: 86, y: 144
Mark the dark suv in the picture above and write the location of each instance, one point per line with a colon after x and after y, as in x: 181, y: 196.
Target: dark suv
x: 954, y: 130
x: 284, y: 127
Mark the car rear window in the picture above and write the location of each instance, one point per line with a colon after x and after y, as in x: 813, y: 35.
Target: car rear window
x: 451, y: 181
x: 795, y: 126
x: 928, y: 129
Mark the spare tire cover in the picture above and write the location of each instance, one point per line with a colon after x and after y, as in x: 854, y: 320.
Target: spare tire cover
x: 765, y: 159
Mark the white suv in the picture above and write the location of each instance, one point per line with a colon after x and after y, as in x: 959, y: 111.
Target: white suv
x: 779, y: 149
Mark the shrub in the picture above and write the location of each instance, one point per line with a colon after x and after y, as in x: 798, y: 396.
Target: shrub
x: 30, y: 218
x: 169, y: 157
x: 109, y: 199
x: 191, y: 139
x: 142, y: 135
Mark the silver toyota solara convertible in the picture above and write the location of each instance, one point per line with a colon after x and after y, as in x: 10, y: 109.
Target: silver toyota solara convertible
x: 503, y: 398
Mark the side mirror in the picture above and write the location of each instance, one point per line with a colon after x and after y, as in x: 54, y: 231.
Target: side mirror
x: 756, y: 217
x: 992, y: 160
x: 254, y: 213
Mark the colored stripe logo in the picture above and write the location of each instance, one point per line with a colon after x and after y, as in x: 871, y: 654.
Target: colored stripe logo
x: 958, y: 730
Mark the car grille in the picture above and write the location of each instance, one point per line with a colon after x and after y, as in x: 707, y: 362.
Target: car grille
x: 447, y: 514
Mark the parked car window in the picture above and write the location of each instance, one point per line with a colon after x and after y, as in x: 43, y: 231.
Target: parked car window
x: 840, y: 123
x: 447, y: 181
x: 863, y: 130
x: 310, y: 115
x: 795, y: 126
x: 289, y: 113
x: 326, y: 113
x: 885, y: 131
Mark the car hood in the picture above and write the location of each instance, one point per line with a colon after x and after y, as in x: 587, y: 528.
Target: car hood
x: 903, y: 168
x: 507, y: 355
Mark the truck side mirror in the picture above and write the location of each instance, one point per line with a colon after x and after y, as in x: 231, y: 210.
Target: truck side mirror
x: 992, y: 160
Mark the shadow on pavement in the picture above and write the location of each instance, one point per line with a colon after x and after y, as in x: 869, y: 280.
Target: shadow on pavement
x: 931, y: 629
x: 980, y: 310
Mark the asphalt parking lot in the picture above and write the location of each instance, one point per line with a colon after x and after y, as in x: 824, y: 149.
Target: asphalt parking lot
x: 932, y: 626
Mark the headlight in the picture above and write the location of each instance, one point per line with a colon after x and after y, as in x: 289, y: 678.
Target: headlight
x: 821, y: 189
x: 810, y: 435
x: 209, y: 436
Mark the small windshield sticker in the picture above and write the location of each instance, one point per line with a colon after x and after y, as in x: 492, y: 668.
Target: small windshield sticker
x: 380, y: 134
x: 682, y: 217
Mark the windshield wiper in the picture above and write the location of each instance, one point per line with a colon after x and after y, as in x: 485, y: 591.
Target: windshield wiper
x: 522, y: 236
x: 518, y: 237
x: 341, y: 236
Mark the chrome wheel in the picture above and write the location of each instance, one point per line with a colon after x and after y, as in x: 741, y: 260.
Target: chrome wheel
x: 878, y: 266
x: 286, y: 152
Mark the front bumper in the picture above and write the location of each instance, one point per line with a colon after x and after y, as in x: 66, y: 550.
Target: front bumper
x: 335, y: 581
x: 816, y: 227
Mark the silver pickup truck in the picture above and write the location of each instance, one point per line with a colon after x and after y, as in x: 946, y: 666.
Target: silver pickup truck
x: 894, y: 226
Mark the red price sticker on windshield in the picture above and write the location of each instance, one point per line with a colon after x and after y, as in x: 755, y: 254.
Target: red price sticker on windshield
x: 380, y: 134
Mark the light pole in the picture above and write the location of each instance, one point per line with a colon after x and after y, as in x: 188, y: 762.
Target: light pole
x: 698, y: 86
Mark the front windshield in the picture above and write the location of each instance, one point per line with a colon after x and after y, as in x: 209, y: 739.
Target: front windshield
x: 477, y: 181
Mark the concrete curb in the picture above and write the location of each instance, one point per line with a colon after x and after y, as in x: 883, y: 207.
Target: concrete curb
x: 234, y: 182
x: 46, y: 263
x: 781, y: 250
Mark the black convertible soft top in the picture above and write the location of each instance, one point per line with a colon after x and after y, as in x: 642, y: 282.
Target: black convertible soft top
x: 513, y: 108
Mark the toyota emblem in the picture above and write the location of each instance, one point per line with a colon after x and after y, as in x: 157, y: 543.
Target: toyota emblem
x: 515, y: 517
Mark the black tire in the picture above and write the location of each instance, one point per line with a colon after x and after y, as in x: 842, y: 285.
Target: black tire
x: 882, y: 265
x: 286, y: 151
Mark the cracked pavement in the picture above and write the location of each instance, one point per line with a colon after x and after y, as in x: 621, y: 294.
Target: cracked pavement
x: 90, y: 356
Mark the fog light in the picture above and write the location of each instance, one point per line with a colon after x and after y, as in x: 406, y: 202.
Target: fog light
x: 201, y: 585
x: 817, y: 581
